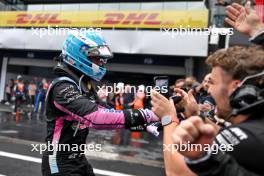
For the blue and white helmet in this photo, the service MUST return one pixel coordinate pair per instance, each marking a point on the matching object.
(80, 49)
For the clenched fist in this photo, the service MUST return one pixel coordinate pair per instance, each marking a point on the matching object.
(194, 132)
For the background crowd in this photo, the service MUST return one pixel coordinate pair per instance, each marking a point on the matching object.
(21, 92)
(31, 93)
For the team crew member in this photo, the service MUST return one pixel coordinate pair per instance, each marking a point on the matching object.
(236, 84)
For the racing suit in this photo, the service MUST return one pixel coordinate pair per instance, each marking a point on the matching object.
(71, 110)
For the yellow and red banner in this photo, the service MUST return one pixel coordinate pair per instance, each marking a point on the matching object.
(106, 19)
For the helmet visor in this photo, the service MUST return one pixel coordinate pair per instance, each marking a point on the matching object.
(100, 51)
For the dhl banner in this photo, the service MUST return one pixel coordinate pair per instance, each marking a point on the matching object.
(106, 19)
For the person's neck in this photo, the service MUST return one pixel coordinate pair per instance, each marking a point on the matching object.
(238, 119)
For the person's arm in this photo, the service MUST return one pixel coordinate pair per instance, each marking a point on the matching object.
(244, 19)
(173, 160)
(68, 99)
(203, 161)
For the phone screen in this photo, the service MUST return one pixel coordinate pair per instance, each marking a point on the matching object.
(162, 83)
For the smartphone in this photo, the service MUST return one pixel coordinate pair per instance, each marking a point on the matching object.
(162, 85)
(176, 99)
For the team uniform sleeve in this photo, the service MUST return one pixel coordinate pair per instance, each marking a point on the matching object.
(258, 38)
(228, 163)
(68, 99)
(219, 164)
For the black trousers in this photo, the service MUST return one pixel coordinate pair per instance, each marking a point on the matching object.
(77, 166)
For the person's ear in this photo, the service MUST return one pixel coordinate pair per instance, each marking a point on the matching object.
(234, 85)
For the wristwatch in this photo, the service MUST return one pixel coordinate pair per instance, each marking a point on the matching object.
(166, 120)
